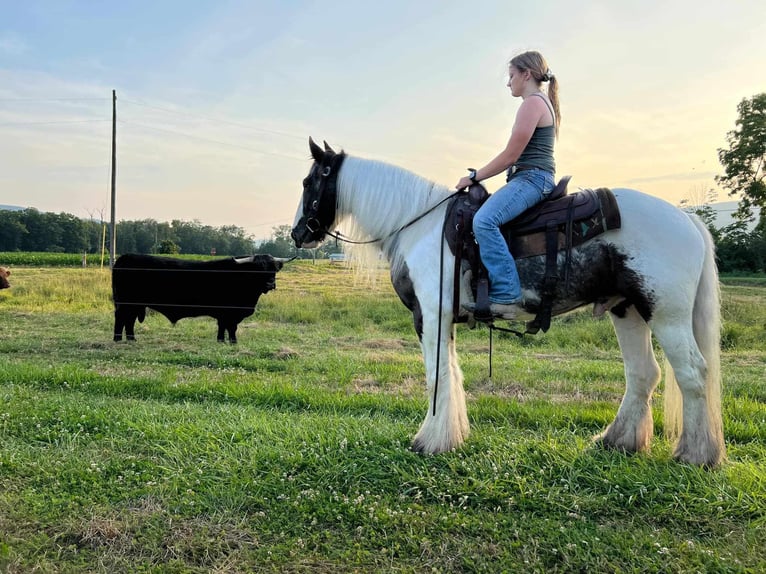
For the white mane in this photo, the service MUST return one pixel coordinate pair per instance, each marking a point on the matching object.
(375, 199)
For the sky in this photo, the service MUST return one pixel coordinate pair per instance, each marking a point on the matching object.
(216, 100)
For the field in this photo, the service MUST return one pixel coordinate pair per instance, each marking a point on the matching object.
(289, 451)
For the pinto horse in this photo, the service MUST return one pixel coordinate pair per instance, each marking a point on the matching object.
(656, 274)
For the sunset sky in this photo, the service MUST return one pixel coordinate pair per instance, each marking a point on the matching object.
(216, 100)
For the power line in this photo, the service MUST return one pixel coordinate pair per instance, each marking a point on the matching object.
(191, 136)
(279, 221)
(217, 120)
(50, 122)
(52, 99)
(165, 130)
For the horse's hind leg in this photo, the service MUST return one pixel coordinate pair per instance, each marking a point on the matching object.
(633, 427)
(700, 441)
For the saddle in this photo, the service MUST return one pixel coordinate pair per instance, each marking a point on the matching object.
(558, 223)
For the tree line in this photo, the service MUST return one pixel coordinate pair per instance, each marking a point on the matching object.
(30, 230)
(33, 230)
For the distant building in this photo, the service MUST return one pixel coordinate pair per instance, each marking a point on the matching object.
(337, 257)
(724, 214)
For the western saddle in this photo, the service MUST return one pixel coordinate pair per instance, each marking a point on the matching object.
(559, 223)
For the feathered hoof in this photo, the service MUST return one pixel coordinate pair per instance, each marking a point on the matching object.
(610, 441)
(419, 447)
(625, 436)
(423, 446)
(707, 454)
(601, 444)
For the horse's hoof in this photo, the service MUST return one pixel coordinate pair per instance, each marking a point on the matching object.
(418, 447)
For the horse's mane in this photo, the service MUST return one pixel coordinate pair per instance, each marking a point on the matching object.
(375, 199)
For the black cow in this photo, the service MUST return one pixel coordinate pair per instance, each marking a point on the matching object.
(225, 289)
(4, 274)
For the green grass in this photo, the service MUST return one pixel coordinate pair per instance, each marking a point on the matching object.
(289, 451)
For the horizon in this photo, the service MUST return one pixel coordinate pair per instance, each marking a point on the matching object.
(214, 109)
(724, 211)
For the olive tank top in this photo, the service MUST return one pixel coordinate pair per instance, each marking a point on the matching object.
(539, 150)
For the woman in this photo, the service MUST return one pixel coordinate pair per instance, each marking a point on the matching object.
(528, 160)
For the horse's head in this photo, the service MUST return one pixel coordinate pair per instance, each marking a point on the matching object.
(316, 211)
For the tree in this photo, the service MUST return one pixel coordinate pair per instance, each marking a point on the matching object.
(280, 244)
(743, 161)
(74, 236)
(699, 203)
(168, 247)
(42, 231)
(12, 230)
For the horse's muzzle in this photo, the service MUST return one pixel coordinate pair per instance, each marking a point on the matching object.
(301, 238)
(307, 233)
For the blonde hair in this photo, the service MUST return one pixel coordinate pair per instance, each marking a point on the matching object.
(538, 67)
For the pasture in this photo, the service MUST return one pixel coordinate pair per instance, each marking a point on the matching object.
(289, 451)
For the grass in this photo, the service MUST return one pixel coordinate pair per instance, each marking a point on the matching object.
(289, 451)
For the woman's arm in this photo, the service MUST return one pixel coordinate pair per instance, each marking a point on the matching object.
(524, 126)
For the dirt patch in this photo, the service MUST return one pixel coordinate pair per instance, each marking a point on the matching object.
(410, 387)
(386, 344)
(285, 353)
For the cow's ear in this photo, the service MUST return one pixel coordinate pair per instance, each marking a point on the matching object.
(327, 148)
(316, 151)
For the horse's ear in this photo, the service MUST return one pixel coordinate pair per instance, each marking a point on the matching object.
(327, 147)
(316, 151)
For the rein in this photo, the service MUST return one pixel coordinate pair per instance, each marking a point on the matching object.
(338, 236)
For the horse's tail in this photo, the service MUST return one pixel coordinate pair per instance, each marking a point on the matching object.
(706, 324)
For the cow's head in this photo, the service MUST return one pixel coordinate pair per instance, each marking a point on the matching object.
(4, 274)
(316, 211)
(265, 267)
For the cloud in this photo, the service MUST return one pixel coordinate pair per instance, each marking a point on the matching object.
(683, 176)
(12, 45)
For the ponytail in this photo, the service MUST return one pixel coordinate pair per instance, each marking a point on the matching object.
(553, 96)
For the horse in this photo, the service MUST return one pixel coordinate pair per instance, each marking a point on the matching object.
(656, 275)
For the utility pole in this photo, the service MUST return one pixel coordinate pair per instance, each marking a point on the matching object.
(113, 228)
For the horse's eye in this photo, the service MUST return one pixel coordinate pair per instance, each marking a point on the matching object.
(326, 171)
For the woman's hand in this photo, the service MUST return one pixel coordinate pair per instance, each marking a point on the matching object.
(463, 183)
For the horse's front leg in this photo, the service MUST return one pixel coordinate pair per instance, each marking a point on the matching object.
(446, 424)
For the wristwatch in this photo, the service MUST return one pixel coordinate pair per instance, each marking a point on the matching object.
(472, 174)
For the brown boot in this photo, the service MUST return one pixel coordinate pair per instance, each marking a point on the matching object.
(504, 311)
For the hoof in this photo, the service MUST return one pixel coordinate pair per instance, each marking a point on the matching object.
(418, 447)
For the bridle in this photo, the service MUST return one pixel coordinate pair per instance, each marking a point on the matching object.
(319, 213)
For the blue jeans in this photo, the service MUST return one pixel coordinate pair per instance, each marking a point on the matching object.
(525, 189)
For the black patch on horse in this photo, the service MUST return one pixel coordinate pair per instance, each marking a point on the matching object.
(406, 292)
(597, 272)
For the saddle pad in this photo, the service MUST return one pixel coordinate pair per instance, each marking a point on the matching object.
(592, 213)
